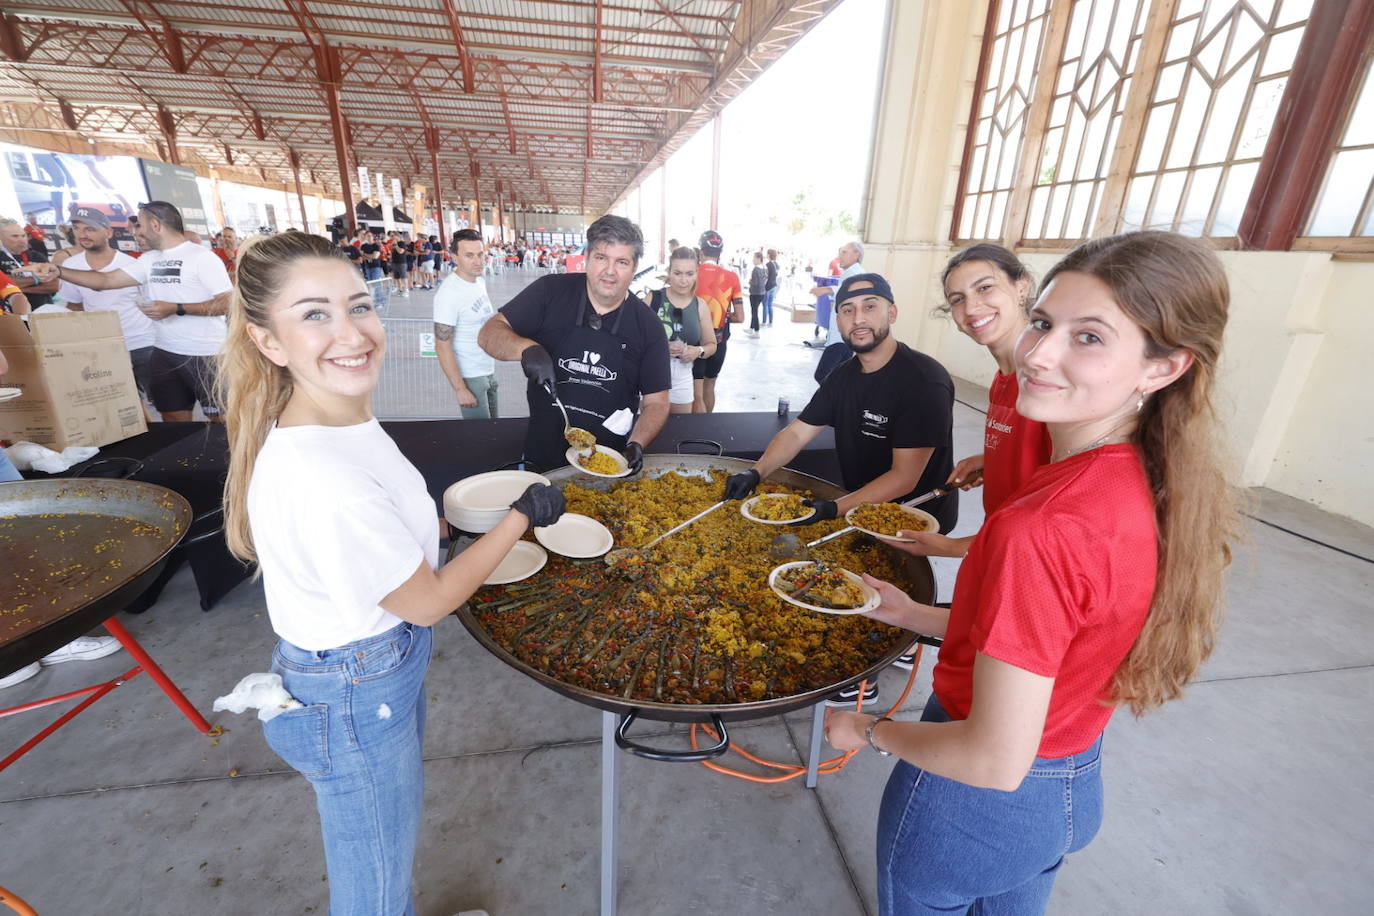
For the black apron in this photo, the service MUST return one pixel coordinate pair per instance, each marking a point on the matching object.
(589, 372)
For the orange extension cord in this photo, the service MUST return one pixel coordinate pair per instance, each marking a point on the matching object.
(792, 771)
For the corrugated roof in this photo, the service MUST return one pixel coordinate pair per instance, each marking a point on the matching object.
(514, 73)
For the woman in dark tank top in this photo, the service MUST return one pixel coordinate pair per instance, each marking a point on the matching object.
(687, 324)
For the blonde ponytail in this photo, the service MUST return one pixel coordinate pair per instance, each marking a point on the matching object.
(252, 389)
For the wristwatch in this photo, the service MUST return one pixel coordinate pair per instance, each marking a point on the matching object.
(868, 733)
(181, 309)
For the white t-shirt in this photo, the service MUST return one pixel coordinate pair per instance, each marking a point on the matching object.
(833, 332)
(466, 307)
(340, 519)
(139, 330)
(186, 273)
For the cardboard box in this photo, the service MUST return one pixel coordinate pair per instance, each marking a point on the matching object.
(77, 379)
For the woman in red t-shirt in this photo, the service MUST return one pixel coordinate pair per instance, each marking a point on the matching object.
(986, 290)
(1095, 585)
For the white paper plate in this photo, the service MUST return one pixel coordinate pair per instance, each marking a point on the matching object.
(619, 460)
(482, 499)
(746, 509)
(524, 560)
(932, 524)
(576, 536)
(9, 394)
(871, 598)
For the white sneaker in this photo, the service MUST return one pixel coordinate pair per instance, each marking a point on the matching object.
(23, 674)
(83, 649)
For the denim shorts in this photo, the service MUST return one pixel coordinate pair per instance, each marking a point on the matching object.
(357, 739)
(948, 847)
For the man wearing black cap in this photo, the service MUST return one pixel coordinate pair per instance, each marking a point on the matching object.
(719, 287)
(893, 413)
(588, 338)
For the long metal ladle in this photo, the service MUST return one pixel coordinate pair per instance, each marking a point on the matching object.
(627, 557)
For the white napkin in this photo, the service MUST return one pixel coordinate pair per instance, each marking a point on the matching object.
(621, 421)
(261, 691)
(32, 456)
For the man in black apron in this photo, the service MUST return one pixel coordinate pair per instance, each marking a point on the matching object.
(599, 347)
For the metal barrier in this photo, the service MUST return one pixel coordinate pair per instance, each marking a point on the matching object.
(412, 386)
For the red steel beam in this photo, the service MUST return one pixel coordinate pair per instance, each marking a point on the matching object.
(11, 42)
(295, 161)
(328, 76)
(715, 172)
(432, 143)
(464, 57)
(1325, 73)
(596, 58)
(168, 125)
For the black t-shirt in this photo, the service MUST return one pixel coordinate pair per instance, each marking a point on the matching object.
(908, 403)
(370, 248)
(352, 253)
(547, 309)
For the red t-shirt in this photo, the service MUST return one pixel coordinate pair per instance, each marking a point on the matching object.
(7, 288)
(35, 232)
(719, 286)
(1058, 583)
(1013, 447)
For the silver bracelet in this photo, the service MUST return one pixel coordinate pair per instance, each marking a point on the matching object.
(868, 733)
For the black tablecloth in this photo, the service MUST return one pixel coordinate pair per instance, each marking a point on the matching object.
(193, 459)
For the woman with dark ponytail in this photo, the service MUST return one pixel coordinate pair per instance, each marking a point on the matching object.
(1096, 585)
(347, 540)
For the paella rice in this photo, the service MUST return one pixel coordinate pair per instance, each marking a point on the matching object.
(822, 585)
(887, 518)
(599, 462)
(698, 623)
(784, 507)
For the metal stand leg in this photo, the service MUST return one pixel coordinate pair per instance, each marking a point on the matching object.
(610, 791)
(813, 758)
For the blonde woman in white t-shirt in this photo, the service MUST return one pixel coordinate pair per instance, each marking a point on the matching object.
(347, 538)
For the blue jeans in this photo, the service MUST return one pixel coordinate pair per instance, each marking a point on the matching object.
(8, 471)
(357, 740)
(947, 847)
(768, 296)
(372, 271)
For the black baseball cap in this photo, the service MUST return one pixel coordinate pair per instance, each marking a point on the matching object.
(711, 243)
(880, 288)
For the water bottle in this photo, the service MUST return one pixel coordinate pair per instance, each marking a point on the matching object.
(784, 407)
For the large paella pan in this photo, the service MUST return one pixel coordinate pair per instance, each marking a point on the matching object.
(698, 636)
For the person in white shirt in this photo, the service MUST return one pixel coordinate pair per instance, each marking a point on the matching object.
(461, 307)
(347, 540)
(91, 228)
(187, 293)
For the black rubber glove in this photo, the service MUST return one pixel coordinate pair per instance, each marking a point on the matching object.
(538, 367)
(739, 486)
(634, 457)
(825, 509)
(541, 504)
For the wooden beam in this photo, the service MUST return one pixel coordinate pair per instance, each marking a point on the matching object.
(980, 84)
(1152, 46)
(1326, 73)
(1032, 139)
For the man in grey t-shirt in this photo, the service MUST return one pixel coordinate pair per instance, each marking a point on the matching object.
(461, 307)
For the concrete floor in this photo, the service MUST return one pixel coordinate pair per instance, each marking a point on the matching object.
(1252, 795)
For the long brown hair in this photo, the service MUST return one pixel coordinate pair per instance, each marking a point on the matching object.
(253, 389)
(1176, 291)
